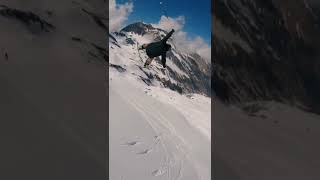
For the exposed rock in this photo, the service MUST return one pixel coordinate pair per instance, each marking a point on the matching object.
(32, 21)
(262, 53)
(97, 19)
(117, 67)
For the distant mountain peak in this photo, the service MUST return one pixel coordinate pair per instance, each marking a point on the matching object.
(141, 28)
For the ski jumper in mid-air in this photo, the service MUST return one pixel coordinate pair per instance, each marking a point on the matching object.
(158, 48)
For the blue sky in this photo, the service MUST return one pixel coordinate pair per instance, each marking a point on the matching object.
(196, 12)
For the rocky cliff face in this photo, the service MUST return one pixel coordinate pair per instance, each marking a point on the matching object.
(266, 50)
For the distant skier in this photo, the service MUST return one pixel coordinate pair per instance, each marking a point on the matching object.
(158, 48)
(6, 56)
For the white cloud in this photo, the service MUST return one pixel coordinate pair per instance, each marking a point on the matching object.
(168, 23)
(182, 41)
(118, 14)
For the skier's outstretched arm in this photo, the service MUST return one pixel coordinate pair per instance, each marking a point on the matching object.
(168, 35)
(163, 60)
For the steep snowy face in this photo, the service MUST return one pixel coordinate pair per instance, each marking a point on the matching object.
(265, 50)
(142, 29)
(185, 73)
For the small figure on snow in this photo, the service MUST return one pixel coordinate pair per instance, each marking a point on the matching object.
(158, 48)
(6, 56)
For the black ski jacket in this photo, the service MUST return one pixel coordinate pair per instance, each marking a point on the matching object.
(159, 48)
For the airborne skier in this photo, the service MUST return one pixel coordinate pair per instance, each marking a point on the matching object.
(158, 48)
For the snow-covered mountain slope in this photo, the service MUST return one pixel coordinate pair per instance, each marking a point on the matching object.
(272, 141)
(53, 93)
(266, 74)
(267, 50)
(159, 128)
(186, 73)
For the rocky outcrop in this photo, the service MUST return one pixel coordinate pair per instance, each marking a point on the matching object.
(265, 50)
(31, 20)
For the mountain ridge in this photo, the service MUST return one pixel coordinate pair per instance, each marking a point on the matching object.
(186, 73)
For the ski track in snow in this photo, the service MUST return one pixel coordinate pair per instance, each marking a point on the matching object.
(172, 143)
(170, 156)
(165, 167)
